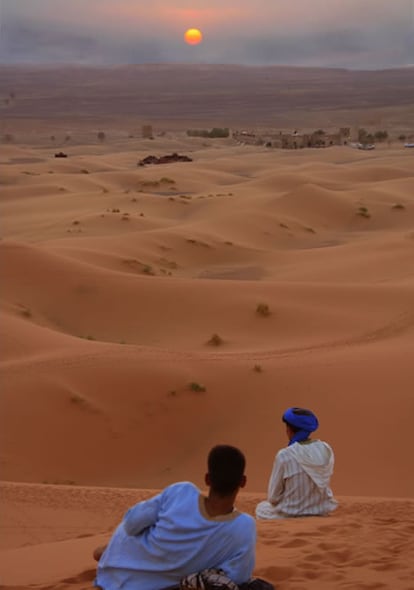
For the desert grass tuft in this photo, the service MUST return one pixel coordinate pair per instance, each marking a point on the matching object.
(215, 340)
(263, 310)
(363, 212)
(196, 387)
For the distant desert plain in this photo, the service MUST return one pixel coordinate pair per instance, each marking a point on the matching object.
(150, 312)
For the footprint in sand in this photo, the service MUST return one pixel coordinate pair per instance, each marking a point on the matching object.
(295, 543)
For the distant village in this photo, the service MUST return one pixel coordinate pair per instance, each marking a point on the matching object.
(354, 137)
(295, 140)
(316, 139)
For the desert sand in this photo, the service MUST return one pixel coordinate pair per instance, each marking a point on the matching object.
(114, 281)
(52, 531)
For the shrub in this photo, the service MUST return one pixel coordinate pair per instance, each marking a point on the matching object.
(148, 270)
(216, 132)
(398, 206)
(215, 340)
(197, 132)
(263, 310)
(363, 212)
(196, 387)
(219, 132)
(101, 136)
(258, 369)
(364, 137)
(362, 133)
(381, 135)
(75, 398)
(150, 184)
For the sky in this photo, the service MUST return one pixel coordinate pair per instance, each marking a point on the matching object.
(356, 34)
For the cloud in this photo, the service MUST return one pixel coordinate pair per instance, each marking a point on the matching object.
(257, 15)
(23, 44)
(351, 33)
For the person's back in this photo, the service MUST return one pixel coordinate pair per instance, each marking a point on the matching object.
(180, 532)
(300, 481)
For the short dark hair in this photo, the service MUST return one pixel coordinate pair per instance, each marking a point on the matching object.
(298, 412)
(226, 466)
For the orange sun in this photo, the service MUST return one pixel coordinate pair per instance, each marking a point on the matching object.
(193, 36)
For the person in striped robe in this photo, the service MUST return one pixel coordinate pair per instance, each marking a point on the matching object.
(299, 484)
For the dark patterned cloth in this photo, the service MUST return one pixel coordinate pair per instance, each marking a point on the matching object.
(214, 579)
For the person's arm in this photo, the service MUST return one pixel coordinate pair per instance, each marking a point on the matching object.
(142, 515)
(276, 482)
(240, 566)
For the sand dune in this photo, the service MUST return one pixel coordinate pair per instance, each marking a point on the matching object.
(366, 544)
(116, 277)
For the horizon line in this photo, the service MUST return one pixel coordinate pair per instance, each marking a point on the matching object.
(49, 64)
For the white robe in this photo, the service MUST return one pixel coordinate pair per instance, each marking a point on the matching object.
(299, 483)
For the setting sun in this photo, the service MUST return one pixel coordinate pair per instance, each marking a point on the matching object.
(193, 36)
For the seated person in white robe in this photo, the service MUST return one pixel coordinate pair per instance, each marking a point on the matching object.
(182, 531)
(300, 481)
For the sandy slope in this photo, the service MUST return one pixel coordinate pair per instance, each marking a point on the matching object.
(52, 530)
(114, 280)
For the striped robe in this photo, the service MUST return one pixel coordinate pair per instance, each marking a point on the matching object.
(299, 483)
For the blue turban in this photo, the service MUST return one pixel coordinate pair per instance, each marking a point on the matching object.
(306, 423)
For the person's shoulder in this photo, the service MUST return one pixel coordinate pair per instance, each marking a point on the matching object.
(323, 443)
(182, 488)
(246, 521)
(244, 529)
(283, 454)
(327, 448)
